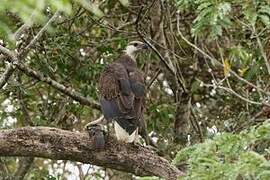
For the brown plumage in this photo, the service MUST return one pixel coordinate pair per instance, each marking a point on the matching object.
(121, 87)
(122, 90)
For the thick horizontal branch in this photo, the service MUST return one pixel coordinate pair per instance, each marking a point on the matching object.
(60, 144)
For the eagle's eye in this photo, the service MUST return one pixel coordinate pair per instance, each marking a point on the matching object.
(135, 44)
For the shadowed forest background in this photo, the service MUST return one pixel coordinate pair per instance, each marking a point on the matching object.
(207, 77)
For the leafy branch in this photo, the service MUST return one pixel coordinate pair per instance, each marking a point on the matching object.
(37, 75)
(228, 156)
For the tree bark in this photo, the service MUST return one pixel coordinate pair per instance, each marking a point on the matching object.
(60, 144)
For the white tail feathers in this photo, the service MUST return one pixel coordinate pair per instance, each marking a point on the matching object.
(123, 136)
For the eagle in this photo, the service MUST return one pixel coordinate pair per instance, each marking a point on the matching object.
(122, 95)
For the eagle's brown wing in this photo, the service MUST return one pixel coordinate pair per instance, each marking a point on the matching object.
(136, 79)
(138, 88)
(117, 97)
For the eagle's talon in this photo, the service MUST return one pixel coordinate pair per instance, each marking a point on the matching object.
(92, 128)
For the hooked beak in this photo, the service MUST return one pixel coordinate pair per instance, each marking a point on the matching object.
(145, 46)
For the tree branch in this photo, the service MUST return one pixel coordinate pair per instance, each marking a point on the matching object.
(9, 69)
(37, 75)
(162, 59)
(42, 30)
(234, 93)
(217, 62)
(60, 144)
(6, 74)
(66, 90)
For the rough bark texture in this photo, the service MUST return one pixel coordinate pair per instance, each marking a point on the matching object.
(55, 143)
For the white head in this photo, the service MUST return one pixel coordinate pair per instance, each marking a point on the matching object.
(134, 47)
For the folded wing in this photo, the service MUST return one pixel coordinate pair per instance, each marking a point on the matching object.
(117, 97)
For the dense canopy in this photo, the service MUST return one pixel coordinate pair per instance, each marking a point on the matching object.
(207, 86)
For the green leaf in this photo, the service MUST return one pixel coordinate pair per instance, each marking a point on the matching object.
(62, 5)
(251, 16)
(92, 7)
(264, 10)
(204, 6)
(227, 156)
(265, 19)
(124, 2)
(224, 9)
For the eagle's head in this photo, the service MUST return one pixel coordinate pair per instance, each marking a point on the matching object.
(134, 47)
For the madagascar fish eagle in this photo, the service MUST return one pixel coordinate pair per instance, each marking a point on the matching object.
(122, 95)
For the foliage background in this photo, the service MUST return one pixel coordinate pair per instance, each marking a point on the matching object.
(198, 90)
